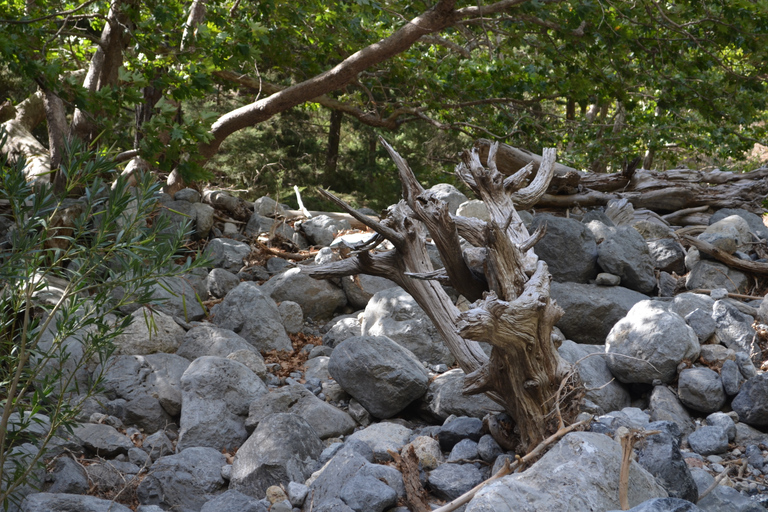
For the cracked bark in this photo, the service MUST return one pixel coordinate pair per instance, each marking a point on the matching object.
(512, 310)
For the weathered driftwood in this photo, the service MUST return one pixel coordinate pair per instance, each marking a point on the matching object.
(512, 310)
(662, 192)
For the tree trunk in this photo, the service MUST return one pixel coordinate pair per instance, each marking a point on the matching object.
(334, 138)
(512, 310)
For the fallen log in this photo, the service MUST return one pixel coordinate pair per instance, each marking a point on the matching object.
(662, 192)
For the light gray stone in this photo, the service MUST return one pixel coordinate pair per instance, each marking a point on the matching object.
(361, 288)
(149, 332)
(685, 303)
(341, 328)
(233, 501)
(258, 224)
(325, 419)
(449, 481)
(216, 394)
(444, 398)
(382, 437)
(701, 389)
(754, 221)
(185, 481)
(590, 310)
(427, 450)
(268, 207)
(463, 451)
(728, 234)
(176, 297)
(702, 324)
(649, 343)
(282, 449)
(734, 329)
(318, 298)
(155, 376)
(568, 247)
(292, 316)
(227, 253)
(450, 194)
(602, 389)
(59, 502)
(668, 255)
(751, 403)
(665, 406)
(711, 274)
(578, 473)
(320, 230)
(720, 419)
(103, 440)
(210, 340)
(395, 314)
(709, 440)
(623, 252)
(474, 208)
(383, 376)
(220, 282)
(252, 314)
(665, 505)
(366, 493)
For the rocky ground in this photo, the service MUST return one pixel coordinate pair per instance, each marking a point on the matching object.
(288, 394)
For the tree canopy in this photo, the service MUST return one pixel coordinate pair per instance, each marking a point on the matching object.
(603, 81)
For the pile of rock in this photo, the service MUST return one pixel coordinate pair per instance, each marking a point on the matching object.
(192, 418)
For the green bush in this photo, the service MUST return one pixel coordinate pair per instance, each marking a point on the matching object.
(60, 266)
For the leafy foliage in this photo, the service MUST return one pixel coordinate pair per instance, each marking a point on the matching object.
(61, 267)
(603, 81)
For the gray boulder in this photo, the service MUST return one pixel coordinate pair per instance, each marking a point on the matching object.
(578, 473)
(660, 455)
(665, 406)
(450, 194)
(755, 222)
(341, 328)
(209, 340)
(103, 440)
(383, 376)
(444, 398)
(292, 316)
(216, 394)
(685, 303)
(474, 208)
(568, 247)
(252, 314)
(449, 481)
(219, 282)
(457, 429)
(68, 477)
(731, 377)
(177, 298)
(383, 437)
(649, 343)
(363, 493)
(734, 329)
(325, 419)
(321, 229)
(729, 234)
(602, 390)
(258, 224)
(722, 420)
(59, 502)
(361, 288)
(591, 310)
(711, 274)
(623, 252)
(234, 501)
(185, 481)
(149, 332)
(395, 314)
(751, 404)
(282, 449)
(701, 389)
(665, 505)
(318, 298)
(668, 255)
(709, 440)
(702, 324)
(227, 253)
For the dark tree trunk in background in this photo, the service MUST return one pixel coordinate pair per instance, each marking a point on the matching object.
(334, 138)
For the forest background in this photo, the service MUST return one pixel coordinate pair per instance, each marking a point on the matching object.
(260, 96)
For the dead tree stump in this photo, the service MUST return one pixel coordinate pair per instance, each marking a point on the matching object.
(511, 309)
